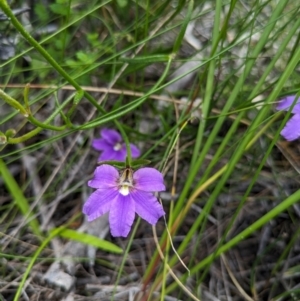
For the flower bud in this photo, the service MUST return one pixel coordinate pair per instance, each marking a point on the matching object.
(10, 133)
(3, 138)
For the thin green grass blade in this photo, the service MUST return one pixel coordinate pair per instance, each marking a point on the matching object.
(19, 198)
(291, 200)
(242, 148)
(33, 260)
(209, 85)
(249, 64)
(185, 23)
(88, 239)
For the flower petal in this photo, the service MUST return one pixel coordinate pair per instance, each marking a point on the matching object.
(148, 179)
(109, 155)
(111, 136)
(147, 206)
(135, 152)
(101, 145)
(99, 203)
(287, 102)
(105, 176)
(121, 215)
(120, 155)
(291, 131)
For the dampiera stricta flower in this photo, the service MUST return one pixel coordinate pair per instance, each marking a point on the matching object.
(124, 194)
(112, 146)
(291, 131)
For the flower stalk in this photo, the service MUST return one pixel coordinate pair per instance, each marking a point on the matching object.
(27, 112)
(13, 103)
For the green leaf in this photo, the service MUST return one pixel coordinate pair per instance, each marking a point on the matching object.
(59, 9)
(41, 11)
(83, 57)
(86, 58)
(122, 3)
(89, 240)
(118, 164)
(72, 63)
(185, 23)
(18, 197)
(139, 162)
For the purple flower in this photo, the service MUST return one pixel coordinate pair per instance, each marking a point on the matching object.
(291, 131)
(112, 146)
(124, 194)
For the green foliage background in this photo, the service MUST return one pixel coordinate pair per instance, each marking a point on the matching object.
(194, 84)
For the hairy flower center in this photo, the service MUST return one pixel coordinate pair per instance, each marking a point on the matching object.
(117, 146)
(126, 181)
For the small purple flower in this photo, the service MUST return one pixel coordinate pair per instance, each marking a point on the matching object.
(124, 194)
(291, 131)
(112, 146)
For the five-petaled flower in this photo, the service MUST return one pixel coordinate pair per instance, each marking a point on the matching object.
(291, 131)
(112, 146)
(124, 194)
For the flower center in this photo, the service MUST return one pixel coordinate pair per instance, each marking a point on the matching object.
(126, 181)
(117, 146)
(124, 190)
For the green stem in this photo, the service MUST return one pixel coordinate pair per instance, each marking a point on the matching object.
(46, 126)
(12, 102)
(26, 98)
(131, 106)
(6, 9)
(126, 140)
(39, 129)
(125, 255)
(25, 137)
(33, 120)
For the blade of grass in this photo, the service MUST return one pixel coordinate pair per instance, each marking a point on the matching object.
(243, 146)
(88, 240)
(209, 84)
(291, 200)
(19, 198)
(249, 64)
